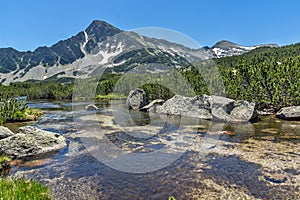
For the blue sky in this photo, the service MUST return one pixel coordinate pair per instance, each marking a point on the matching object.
(25, 25)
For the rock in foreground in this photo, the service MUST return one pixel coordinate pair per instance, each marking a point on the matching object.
(289, 113)
(209, 107)
(31, 141)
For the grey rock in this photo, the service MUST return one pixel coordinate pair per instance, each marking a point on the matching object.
(287, 113)
(5, 132)
(221, 108)
(243, 111)
(136, 99)
(198, 106)
(31, 141)
(209, 107)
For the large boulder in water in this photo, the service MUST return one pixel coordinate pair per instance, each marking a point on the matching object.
(136, 99)
(289, 113)
(198, 106)
(31, 141)
(243, 111)
(209, 107)
(5, 132)
(221, 108)
(229, 110)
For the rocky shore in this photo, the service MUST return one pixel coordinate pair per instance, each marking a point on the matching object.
(216, 108)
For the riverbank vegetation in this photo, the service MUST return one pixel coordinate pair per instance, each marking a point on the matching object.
(12, 110)
(110, 96)
(264, 75)
(38, 90)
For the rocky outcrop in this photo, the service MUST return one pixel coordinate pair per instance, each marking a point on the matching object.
(209, 107)
(5, 132)
(31, 141)
(289, 113)
(136, 99)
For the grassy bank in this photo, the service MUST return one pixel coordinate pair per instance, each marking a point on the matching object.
(110, 96)
(16, 189)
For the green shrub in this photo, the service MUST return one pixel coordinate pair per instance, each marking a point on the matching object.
(12, 110)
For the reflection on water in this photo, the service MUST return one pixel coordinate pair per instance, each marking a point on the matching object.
(214, 164)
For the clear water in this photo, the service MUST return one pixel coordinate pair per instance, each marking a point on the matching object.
(232, 167)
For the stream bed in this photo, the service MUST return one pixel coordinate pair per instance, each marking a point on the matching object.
(112, 156)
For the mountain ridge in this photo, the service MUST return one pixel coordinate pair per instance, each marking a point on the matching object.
(225, 48)
(99, 44)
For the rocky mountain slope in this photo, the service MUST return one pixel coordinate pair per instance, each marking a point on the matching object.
(225, 48)
(103, 45)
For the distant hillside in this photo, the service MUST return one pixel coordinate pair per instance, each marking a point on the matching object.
(225, 48)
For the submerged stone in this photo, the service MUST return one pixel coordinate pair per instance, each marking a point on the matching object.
(276, 178)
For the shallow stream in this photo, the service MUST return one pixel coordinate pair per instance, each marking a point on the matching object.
(196, 159)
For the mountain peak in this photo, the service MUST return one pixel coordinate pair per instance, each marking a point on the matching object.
(99, 23)
(100, 26)
(224, 44)
(98, 31)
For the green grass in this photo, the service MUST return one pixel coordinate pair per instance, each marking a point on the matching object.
(19, 189)
(111, 96)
